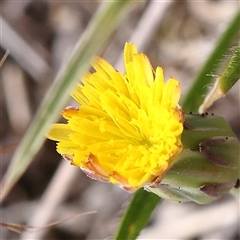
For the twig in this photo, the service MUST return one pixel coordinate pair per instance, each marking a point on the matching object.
(53, 196)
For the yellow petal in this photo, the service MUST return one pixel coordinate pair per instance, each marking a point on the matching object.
(142, 69)
(103, 68)
(60, 132)
(66, 148)
(129, 51)
(171, 93)
(157, 87)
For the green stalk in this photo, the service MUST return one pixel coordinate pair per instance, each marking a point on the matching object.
(195, 95)
(101, 26)
(137, 214)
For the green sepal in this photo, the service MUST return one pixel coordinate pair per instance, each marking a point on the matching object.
(216, 190)
(198, 128)
(194, 178)
(222, 151)
(180, 194)
(192, 169)
(208, 165)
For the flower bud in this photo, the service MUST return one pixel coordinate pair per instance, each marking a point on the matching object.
(208, 165)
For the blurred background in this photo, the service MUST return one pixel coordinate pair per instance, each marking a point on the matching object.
(40, 35)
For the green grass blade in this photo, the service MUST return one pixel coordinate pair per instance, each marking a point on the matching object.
(231, 72)
(195, 96)
(224, 81)
(103, 23)
(137, 214)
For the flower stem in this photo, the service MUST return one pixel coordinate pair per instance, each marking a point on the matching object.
(137, 214)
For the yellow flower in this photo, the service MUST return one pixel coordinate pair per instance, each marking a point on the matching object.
(128, 128)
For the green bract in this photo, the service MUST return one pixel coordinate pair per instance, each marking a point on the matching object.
(207, 167)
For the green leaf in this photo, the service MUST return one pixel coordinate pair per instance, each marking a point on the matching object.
(225, 81)
(195, 95)
(231, 72)
(137, 215)
(103, 23)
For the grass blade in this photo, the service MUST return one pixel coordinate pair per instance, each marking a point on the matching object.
(231, 73)
(103, 23)
(225, 81)
(195, 95)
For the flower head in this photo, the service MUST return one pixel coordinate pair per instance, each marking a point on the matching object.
(127, 129)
